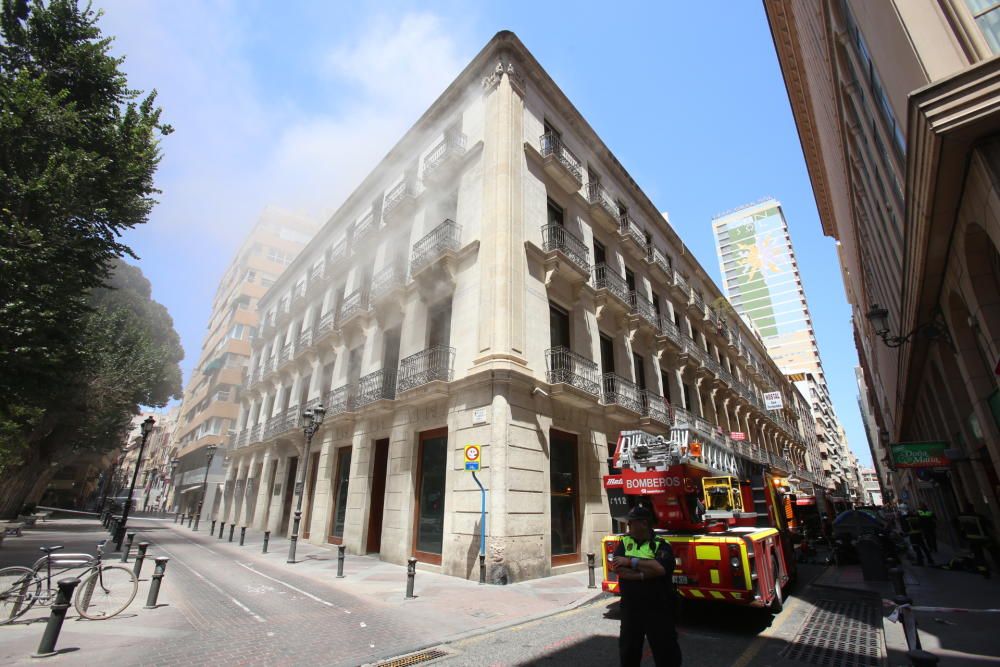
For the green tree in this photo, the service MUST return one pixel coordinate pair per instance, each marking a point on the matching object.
(78, 151)
(128, 357)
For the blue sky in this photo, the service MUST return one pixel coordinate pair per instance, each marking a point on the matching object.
(291, 104)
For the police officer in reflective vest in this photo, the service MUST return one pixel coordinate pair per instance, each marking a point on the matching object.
(645, 564)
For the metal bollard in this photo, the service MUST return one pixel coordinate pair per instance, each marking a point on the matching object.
(128, 547)
(921, 658)
(222, 528)
(591, 583)
(113, 526)
(47, 646)
(139, 557)
(190, 520)
(212, 532)
(154, 586)
(232, 529)
(896, 577)
(482, 569)
(267, 538)
(411, 573)
(243, 534)
(341, 548)
(183, 518)
(177, 517)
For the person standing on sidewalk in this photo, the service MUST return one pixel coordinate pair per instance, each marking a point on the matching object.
(644, 564)
(912, 528)
(928, 526)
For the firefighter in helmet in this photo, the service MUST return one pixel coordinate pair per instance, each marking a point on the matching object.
(645, 564)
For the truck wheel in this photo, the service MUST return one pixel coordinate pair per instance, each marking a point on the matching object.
(776, 602)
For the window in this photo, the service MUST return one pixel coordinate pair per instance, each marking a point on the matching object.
(600, 255)
(555, 213)
(665, 379)
(639, 367)
(439, 327)
(340, 483)
(607, 355)
(988, 19)
(275, 255)
(563, 493)
(630, 279)
(432, 458)
(558, 327)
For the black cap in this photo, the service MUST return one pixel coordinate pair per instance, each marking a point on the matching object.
(640, 513)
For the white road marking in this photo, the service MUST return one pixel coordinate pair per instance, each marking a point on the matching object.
(289, 586)
(213, 585)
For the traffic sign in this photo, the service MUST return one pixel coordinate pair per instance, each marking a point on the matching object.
(472, 457)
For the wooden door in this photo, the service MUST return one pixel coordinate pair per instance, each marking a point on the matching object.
(338, 487)
(374, 544)
(311, 486)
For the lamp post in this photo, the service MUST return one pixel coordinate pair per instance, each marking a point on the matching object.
(933, 329)
(147, 428)
(210, 452)
(311, 420)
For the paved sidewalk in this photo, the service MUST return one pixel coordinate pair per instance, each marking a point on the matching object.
(951, 609)
(445, 608)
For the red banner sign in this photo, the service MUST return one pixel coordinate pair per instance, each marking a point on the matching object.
(643, 483)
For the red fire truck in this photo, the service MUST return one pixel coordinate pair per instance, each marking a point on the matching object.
(730, 536)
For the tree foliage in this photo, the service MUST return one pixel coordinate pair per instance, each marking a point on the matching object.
(78, 152)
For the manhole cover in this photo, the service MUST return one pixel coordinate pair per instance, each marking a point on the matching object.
(839, 634)
(414, 658)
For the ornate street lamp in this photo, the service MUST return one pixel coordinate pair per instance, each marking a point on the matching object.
(311, 421)
(934, 329)
(209, 453)
(147, 428)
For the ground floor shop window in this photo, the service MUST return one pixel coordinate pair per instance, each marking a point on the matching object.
(432, 458)
(564, 495)
(341, 475)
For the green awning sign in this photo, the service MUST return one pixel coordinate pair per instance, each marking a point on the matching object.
(919, 454)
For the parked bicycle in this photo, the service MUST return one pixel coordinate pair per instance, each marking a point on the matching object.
(104, 591)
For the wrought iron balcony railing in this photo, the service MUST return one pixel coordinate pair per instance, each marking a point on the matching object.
(598, 196)
(386, 280)
(451, 147)
(669, 329)
(434, 363)
(605, 278)
(658, 258)
(256, 433)
(364, 228)
(377, 386)
(644, 308)
(443, 238)
(680, 282)
(405, 191)
(340, 400)
(243, 439)
(316, 274)
(305, 340)
(616, 390)
(337, 254)
(555, 237)
(327, 323)
(553, 145)
(567, 367)
(354, 304)
(274, 425)
(627, 227)
(656, 407)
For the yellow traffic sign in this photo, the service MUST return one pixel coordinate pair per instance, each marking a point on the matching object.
(472, 454)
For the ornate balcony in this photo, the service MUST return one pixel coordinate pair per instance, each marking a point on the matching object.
(298, 295)
(256, 434)
(242, 440)
(340, 401)
(375, 387)
(304, 342)
(656, 410)
(327, 326)
(679, 287)
(668, 334)
(603, 208)
(442, 163)
(441, 243)
(316, 282)
(622, 397)
(400, 202)
(284, 356)
(433, 365)
(355, 305)
(633, 239)
(282, 312)
(364, 231)
(659, 264)
(644, 313)
(612, 292)
(565, 255)
(560, 164)
(572, 376)
(335, 257)
(268, 324)
(387, 282)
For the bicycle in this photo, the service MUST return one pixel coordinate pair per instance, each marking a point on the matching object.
(104, 590)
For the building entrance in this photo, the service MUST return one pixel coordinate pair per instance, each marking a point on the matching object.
(374, 544)
(286, 502)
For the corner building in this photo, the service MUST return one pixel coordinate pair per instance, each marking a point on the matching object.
(498, 280)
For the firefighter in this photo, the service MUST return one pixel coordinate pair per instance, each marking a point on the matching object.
(928, 526)
(912, 528)
(644, 564)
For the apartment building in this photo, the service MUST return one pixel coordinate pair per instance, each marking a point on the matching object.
(898, 115)
(762, 282)
(212, 395)
(500, 280)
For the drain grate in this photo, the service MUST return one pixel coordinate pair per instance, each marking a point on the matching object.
(414, 658)
(839, 634)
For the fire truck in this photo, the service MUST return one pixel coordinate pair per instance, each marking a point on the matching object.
(730, 536)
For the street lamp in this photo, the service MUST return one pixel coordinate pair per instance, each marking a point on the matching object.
(147, 428)
(311, 420)
(210, 452)
(934, 329)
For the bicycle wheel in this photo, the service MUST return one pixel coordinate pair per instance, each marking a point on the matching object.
(105, 592)
(19, 590)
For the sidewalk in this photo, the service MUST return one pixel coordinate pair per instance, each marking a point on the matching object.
(950, 609)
